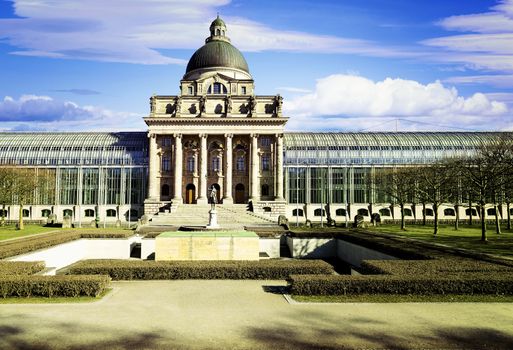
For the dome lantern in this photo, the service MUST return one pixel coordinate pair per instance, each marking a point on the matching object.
(217, 30)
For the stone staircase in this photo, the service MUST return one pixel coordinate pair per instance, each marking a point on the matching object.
(228, 216)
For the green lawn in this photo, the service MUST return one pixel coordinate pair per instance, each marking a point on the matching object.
(10, 231)
(467, 237)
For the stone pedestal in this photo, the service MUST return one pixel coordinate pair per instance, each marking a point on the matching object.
(207, 245)
(212, 219)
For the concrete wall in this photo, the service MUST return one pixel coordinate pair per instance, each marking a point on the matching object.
(68, 253)
(271, 246)
(355, 254)
(312, 248)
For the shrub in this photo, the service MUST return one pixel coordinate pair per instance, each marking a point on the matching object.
(155, 270)
(470, 283)
(21, 267)
(430, 267)
(52, 286)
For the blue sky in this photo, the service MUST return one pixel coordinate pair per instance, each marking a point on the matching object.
(350, 65)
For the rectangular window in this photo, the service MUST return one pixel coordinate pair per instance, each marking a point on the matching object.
(297, 185)
(166, 164)
(190, 90)
(190, 164)
(166, 142)
(266, 162)
(265, 141)
(90, 186)
(243, 90)
(216, 166)
(240, 163)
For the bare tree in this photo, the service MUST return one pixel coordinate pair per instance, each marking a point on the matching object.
(433, 181)
(396, 183)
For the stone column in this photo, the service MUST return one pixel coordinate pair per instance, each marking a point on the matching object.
(202, 197)
(153, 187)
(228, 199)
(278, 173)
(255, 164)
(178, 168)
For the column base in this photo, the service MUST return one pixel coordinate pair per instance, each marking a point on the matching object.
(202, 201)
(228, 200)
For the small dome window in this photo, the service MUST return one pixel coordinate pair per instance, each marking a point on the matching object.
(217, 89)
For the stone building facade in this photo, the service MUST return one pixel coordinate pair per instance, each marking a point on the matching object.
(215, 134)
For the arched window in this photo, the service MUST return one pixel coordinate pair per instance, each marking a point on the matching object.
(241, 164)
(216, 89)
(340, 212)
(3, 213)
(67, 213)
(297, 212)
(384, 212)
(449, 212)
(428, 212)
(26, 213)
(319, 212)
(473, 211)
(363, 212)
(111, 213)
(165, 190)
(89, 213)
(265, 190)
(490, 211)
(133, 214)
(267, 209)
(45, 213)
(407, 212)
(191, 164)
(218, 31)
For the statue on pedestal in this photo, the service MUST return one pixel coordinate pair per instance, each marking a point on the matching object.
(213, 198)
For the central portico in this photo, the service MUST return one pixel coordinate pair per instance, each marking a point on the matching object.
(215, 133)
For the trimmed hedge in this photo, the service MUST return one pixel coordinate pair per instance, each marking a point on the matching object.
(17, 268)
(35, 242)
(172, 270)
(430, 267)
(52, 286)
(471, 283)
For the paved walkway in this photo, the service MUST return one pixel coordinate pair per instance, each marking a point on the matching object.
(241, 315)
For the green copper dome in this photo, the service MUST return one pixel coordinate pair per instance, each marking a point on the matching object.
(217, 53)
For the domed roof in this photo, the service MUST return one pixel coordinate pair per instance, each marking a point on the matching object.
(217, 53)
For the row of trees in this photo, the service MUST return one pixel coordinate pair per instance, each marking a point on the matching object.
(21, 186)
(485, 177)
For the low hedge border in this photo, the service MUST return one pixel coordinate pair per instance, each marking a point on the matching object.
(470, 283)
(173, 270)
(35, 242)
(430, 267)
(52, 286)
(18, 268)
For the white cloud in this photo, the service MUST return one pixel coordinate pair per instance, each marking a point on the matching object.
(135, 31)
(31, 112)
(504, 81)
(486, 42)
(342, 100)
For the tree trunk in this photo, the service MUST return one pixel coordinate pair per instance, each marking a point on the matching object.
(497, 220)
(435, 213)
(403, 223)
(470, 211)
(2, 223)
(508, 215)
(457, 221)
(20, 219)
(483, 223)
(423, 214)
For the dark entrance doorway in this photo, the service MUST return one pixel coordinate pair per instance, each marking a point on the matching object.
(190, 194)
(239, 194)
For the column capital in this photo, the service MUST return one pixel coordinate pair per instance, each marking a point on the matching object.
(203, 136)
(177, 136)
(279, 136)
(228, 136)
(152, 135)
(253, 135)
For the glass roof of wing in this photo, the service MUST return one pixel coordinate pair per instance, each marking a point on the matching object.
(121, 148)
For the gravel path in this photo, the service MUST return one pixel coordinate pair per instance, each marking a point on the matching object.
(241, 315)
